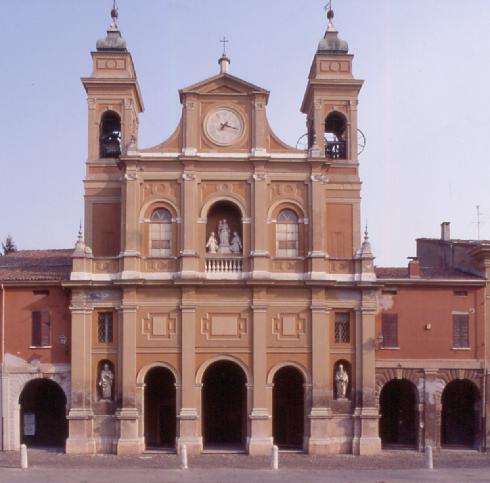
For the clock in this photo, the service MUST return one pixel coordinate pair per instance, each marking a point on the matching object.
(224, 126)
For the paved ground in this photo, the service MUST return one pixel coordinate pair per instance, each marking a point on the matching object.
(388, 467)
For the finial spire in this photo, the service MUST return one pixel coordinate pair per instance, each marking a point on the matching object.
(366, 234)
(330, 16)
(114, 16)
(224, 61)
(80, 234)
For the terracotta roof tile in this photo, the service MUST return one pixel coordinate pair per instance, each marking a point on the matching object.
(36, 265)
(426, 273)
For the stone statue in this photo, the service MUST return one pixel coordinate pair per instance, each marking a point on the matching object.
(105, 382)
(341, 382)
(236, 244)
(224, 237)
(212, 244)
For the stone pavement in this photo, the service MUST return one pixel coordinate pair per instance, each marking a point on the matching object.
(388, 467)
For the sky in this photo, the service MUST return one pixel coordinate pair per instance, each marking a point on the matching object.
(424, 107)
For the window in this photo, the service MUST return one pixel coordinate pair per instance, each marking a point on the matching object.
(389, 330)
(287, 234)
(105, 328)
(161, 233)
(460, 331)
(460, 293)
(342, 328)
(41, 326)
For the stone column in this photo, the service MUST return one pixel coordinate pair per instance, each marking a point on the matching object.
(260, 437)
(366, 437)
(189, 255)
(188, 416)
(80, 417)
(260, 253)
(321, 412)
(129, 441)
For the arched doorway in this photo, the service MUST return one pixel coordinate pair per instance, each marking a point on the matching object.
(399, 414)
(43, 414)
(224, 405)
(459, 424)
(160, 409)
(288, 408)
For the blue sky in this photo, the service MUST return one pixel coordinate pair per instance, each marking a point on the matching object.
(425, 105)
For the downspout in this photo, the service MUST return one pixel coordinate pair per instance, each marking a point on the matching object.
(484, 381)
(2, 374)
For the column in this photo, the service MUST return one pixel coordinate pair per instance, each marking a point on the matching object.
(129, 442)
(260, 253)
(317, 216)
(321, 412)
(366, 437)
(432, 408)
(188, 416)
(260, 437)
(189, 255)
(80, 417)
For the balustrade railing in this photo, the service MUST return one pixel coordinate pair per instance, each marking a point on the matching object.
(336, 149)
(224, 264)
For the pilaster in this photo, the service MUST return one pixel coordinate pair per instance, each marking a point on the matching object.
(317, 217)
(260, 255)
(189, 256)
(260, 439)
(80, 417)
(188, 416)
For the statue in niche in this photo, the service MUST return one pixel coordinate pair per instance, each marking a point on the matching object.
(341, 382)
(224, 237)
(212, 244)
(106, 378)
(236, 244)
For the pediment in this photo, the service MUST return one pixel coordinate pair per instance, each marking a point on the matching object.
(223, 84)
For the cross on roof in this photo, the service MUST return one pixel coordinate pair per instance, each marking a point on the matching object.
(224, 41)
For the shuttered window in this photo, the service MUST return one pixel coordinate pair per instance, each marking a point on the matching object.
(41, 328)
(161, 233)
(390, 330)
(460, 331)
(287, 234)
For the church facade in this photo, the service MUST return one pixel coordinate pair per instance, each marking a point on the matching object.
(222, 295)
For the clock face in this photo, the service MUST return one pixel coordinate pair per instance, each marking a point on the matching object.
(224, 126)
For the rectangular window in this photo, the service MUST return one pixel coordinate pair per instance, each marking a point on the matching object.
(287, 239)
(342, 328)
(461, 293)
(105, 328)
(461, 331)
(160, 239)
(389, 330)
(41, 328)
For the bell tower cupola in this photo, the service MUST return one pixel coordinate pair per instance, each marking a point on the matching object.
(113, 95)
(330, 101)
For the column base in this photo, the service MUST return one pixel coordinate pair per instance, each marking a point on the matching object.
(81, 430)
(188, 431)
(128, 443)
(319, 441)
(260, 441)
(366, 440)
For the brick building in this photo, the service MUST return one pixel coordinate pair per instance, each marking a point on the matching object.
(221, 295)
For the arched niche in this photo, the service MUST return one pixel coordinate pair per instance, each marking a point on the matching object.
(224, 220)
(110, 135)
(339, 379)
(106, 382)
(336, 136)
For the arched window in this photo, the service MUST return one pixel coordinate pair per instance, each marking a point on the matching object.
(287, 234)
(335, 136)
(161, 233)
(110, 135)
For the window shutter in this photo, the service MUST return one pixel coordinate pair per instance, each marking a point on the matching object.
(45, 329)
(390, 330)
(460, 330)
(36, 328)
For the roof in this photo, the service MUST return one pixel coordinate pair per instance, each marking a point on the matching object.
(434, 273)
(36, 265)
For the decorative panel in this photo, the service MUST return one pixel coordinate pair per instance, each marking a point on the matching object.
(159, 326)
(223, 326)
(288, 326)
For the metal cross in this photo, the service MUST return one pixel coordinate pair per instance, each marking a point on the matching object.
(224, 42)
(328, 6)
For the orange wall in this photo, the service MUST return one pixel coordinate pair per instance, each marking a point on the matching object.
(418, 306)
(20, 302)
(106, 229)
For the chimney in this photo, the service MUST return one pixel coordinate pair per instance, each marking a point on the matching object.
(414, 267)
(445, 231)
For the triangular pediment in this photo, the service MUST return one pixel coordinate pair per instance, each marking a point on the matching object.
(223, 84)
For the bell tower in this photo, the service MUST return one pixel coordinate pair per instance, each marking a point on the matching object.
(330, 101)
(114, 104)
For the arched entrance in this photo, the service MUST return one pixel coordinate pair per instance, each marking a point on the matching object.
(224, 405)
(459, 424)
(288, 408)
(43, 414)
(399, 414)
(160, 409)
